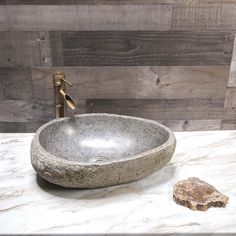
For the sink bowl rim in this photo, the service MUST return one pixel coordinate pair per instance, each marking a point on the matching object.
(35, 141)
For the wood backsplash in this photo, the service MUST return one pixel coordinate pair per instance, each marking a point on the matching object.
(164, 60)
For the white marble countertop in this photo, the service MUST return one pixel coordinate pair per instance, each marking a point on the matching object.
(29, 205)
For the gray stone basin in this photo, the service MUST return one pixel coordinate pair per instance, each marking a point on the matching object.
(97, 150)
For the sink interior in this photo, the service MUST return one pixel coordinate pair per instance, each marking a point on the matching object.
(101, 138)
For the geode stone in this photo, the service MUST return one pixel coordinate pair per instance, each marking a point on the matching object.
(198, 195)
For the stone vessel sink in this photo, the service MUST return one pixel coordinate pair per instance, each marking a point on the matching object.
(96, 150)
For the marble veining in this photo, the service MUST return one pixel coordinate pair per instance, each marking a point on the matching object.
(28, 204)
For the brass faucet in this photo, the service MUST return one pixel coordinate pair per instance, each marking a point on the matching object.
(61, 98)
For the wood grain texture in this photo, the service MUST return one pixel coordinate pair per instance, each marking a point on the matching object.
(143, 82)
(228, 16)
(200, 15)
(56, 48)
(182, 49)
(16, 83)
(25, 111)
(135, 48)
(175, 125)
(197, 15)
(25, 49)
(85, 17)
(232, 72)
(20, 127)
(114, 48)
(45, 48)
(89, 2)
(157, 109)
(45, 2)
(19, 49)
(229, 118)
(204, 15)
(192, 125)
(31, 110)
(228, 124)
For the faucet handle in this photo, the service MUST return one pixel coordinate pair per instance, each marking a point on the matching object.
(67, 82)
(58, 77)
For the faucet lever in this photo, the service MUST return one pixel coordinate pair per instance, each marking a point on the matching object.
(58, 77)
(67, 82)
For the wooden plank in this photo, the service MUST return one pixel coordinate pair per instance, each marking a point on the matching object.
(157, 109)
(142, 2)
(31, 110)
(197, 15)
(16, 83)
(228, 16)
(85, 17)
(175, 125)
(187, 14)
(228, 124)
(25, 49)
(135, 48)
(104, 2)
(56, 48)
(25, 111)
(229, 117)
(45, 48)
(143, 82)
(192, 125)
(16, 122)
(85, 2)
(204, 15)
(20, 127)
(45, 2)
(230, 97)
(19, 49)
(232, 73)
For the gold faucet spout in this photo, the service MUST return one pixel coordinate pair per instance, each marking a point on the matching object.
(68, 99)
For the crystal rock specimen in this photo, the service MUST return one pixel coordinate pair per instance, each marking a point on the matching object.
(198, 195)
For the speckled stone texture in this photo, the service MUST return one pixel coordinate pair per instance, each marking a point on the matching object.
(97, 150)
(198, 195)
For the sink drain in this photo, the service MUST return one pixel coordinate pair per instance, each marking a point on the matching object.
(99, 159)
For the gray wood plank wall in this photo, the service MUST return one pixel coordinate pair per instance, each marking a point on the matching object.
(160, 59)
(135, 48)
